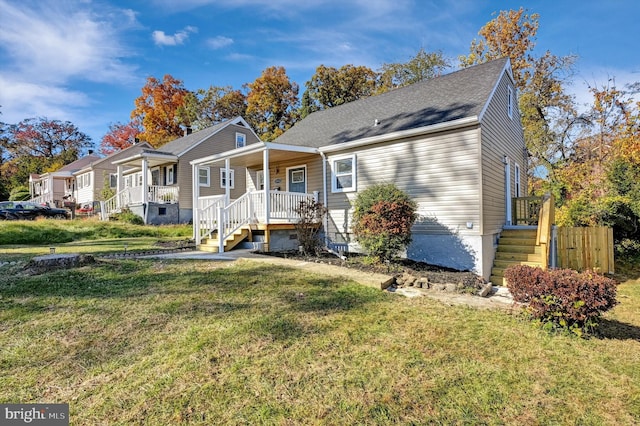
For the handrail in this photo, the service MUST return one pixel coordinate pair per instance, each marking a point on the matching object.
(208, 216)
(545, 226)
(525, 210)
(163, 194)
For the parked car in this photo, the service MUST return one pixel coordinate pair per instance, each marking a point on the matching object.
(21, 210)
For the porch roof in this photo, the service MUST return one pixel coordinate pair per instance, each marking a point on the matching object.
(252, 155)
(153, 157)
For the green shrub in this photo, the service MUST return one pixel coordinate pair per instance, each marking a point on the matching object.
(562, 298)
(382, 220)
(19, 193)
(127, 216)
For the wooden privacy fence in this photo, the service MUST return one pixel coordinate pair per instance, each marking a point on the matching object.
(585, 248)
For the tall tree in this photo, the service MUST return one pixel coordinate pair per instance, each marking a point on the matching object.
(422, 66)
(119, 137)
(510, 34)
(204, 108)
(157, 109)
(38, 145)
(330, 87)
(272, 103)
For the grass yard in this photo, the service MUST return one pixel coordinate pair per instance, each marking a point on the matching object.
(191, 342)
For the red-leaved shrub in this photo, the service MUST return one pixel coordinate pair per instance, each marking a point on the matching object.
(562, 298)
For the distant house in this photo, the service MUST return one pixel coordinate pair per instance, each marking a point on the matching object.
(157, 184)
(55, 188)
(454, 143)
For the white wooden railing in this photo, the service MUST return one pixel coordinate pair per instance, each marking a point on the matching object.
(134, 195)
(215, 216)
(42, 199)
(163, 194)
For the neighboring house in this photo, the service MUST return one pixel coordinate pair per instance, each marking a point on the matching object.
(54, 188)
(157, 184)
(89, 182)
(454, 143)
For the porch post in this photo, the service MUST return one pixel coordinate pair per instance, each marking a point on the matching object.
(119, 179)
(195, 194)
(145, 180)
(267, 185)
(227, 181)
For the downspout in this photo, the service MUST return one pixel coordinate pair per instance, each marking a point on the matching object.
(325, 223)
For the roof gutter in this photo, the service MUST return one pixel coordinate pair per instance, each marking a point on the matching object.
(253, 149)
(434, 128)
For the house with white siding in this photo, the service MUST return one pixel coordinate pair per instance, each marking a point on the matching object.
(454, 143)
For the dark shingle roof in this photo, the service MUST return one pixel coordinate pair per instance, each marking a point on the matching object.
(79, 164)
(452, 96)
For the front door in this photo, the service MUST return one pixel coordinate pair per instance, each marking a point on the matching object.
(297, 179)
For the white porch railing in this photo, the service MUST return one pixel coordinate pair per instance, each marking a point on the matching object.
(42, 199)
(163, 194)
(134, 195)
(214, 216)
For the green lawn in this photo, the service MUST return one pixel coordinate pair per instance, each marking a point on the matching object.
(190, 342)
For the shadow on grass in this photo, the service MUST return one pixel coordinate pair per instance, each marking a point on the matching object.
(612, 329)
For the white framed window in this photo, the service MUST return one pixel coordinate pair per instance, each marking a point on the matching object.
(113, 180)
(343, 174)
(138, 179)
(241, 140)
(516, 172)
(84, 180)
(510, 102)
(128, 181)
(169, 173)
(204, 176)
(223, 178)
(260, 179)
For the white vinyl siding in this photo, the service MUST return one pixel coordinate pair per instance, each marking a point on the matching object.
(501, 137)
(439, 172)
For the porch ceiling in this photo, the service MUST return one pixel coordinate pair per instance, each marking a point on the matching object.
(252, 156)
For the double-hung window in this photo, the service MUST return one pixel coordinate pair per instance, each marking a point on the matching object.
(170, 174)
(343, 174)
(510, 103)
(204, 176)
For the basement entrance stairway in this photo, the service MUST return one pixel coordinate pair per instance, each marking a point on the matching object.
(212, 244)
(517, 246)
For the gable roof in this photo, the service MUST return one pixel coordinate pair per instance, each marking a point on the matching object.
(130, 150)
(79, 164)
(181, 145)
(460, 94)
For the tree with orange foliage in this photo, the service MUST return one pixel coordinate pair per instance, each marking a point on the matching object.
(119, 137)
(272, 103)
(512, 34)
(157, 110)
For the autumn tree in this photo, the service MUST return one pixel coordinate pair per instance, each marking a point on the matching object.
(510, 34)
(272, 103)
(38, 145)
(157, 110)
(119, 137)
(330, 87)
(422, 66)
(204, 108)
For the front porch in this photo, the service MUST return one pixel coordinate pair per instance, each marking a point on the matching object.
(138, 196)
(220, 226)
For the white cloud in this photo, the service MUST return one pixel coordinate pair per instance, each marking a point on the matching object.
(53, 42)
(162, 39)
(219, 42)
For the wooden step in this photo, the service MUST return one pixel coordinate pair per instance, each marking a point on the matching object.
(518, 256)
(498, 280)
(519, 233)
(212, 245)
(503, 241)
(519, 249)
(504, 264)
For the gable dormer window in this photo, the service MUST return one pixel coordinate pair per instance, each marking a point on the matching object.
(510, 103)
(241, 140)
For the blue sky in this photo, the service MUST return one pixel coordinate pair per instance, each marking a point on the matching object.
(86, 60)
